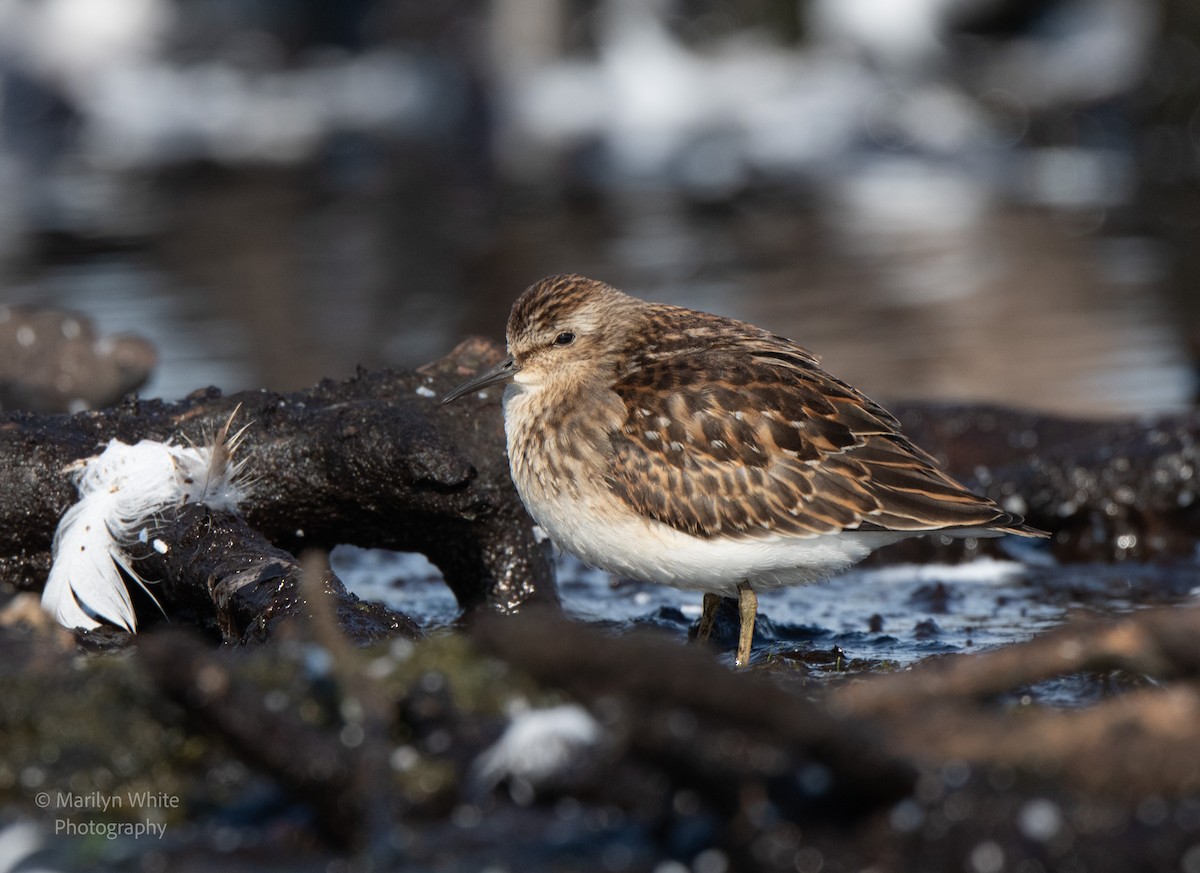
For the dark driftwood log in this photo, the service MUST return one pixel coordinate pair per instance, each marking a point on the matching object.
(1107, 489)
(374, 461)
(219, 573)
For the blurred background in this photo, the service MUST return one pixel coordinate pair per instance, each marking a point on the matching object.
(993, 200)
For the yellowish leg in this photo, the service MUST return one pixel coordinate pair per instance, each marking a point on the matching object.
(748, 609)
(708, 617)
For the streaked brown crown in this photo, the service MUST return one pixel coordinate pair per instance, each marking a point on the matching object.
(726, 430)
(552, 300)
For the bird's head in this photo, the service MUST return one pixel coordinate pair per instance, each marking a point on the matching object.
(564, 331)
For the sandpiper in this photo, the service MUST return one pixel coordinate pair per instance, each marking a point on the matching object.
(674, 446)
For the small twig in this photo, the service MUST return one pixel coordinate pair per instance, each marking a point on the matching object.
(366, 712)
(306, 760)
(1160, 642)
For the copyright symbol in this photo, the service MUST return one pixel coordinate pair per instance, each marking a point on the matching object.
(42, 800)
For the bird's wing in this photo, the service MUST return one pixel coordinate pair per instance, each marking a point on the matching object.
(755, 439)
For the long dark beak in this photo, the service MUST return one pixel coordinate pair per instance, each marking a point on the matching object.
(502, 372)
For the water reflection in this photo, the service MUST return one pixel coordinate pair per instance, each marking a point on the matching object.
(277, 200)
(1012, 306)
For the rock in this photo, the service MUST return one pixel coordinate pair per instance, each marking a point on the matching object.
(52, 361)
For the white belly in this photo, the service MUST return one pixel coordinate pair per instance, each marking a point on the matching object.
(653, 552)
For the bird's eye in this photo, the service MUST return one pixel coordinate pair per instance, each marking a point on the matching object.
(564, 339)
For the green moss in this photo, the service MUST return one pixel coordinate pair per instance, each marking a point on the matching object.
(476, 684)
(84, 737)
(94, 735)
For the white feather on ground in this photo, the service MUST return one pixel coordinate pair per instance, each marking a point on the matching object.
(540, 746)
(122, 491)
(19, 841)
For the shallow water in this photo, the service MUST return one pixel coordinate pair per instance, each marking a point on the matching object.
(258, 286)
(890, 615)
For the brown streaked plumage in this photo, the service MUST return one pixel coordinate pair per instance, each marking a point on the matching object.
(680, 447)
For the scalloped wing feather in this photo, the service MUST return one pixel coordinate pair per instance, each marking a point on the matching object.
(745, 436)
